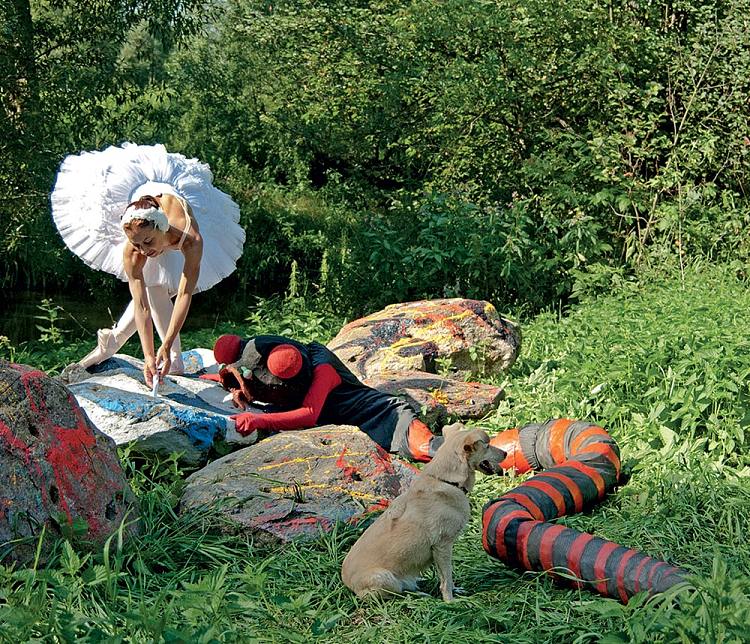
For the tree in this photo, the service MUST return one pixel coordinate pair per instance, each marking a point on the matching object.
(59, 65)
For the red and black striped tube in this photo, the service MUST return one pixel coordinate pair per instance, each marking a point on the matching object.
(581, 464)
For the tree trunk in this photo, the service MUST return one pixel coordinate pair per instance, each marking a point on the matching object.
(18, 87)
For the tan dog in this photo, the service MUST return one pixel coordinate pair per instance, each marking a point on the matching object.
(422, 524)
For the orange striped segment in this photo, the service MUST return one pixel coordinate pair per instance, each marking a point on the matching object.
(637, 587)
(653, 570)
(526, 502)
(620, 575)
(600, 563)
(594, 430)
(500, 531)
(508, 442)
(575, 553)
(551, 492)
(486, 518)
(592, 474)
(522, 542)
(604, 449)
(547, 544)
(557, 439)
(570, 485)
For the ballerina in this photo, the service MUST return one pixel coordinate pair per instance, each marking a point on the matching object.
(153, 219)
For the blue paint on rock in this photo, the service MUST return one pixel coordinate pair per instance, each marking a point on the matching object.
(193, 361)
(201, 427)
(195, 401)
(111, 364)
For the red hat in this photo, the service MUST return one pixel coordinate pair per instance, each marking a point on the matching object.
(227, 349)
(284, 361)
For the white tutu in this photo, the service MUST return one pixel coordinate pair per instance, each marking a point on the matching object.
(94, 188)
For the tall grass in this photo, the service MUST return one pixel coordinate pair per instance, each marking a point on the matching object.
(663, 365)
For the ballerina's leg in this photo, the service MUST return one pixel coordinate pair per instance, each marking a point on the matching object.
(161, 312)
(109, 341)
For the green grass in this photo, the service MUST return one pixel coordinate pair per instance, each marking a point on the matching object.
(663, 365)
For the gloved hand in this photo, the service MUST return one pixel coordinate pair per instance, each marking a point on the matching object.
(244, 423)
(231, 380)
(238, 399)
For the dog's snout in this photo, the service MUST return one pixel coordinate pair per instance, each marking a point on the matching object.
(491, 463)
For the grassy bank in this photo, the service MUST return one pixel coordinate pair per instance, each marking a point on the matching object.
(663, 365)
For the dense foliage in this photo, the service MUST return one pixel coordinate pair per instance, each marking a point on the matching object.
(515, 150)
(523, 151)
(663, 365)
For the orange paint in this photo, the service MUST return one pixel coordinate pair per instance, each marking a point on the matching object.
(557, 439)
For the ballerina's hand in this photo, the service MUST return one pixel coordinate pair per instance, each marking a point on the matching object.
(149, 371)
(164, 361)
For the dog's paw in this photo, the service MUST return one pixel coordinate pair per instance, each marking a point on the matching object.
(418, 593)
(457, 590)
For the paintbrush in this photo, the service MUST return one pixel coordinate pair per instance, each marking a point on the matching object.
(155, 386)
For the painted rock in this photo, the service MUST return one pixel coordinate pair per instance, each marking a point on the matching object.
(439, 400)
(59, 475)
(296, 484)
(187, 415)
(467, 337)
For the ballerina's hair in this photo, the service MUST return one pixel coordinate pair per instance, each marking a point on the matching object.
(146, 209)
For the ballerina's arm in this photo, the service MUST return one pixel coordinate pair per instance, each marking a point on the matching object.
(192, 250)
(134, 263)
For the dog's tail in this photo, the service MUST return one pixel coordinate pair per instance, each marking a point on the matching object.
(581, 464)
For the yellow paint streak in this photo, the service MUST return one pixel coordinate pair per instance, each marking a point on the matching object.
(316, 486)
(439, 396)
(307, 459)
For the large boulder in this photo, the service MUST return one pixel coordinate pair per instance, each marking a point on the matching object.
(295, 484)
(59, 475)
(187, 415)
(468, 337)
(439, 399)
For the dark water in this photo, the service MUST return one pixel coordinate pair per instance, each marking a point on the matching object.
(83, 314)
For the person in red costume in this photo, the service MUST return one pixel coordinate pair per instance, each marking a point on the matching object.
(306, 385)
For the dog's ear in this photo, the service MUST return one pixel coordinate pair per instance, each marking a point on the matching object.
(477, 439)
(449, 430)
(472, 444)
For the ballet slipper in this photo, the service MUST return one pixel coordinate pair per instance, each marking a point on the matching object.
(73, 373)
(106, 347)
(178, 366)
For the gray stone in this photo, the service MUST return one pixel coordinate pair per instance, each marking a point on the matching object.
(467, 337)
(297, 483)
(402, 348)
(188, 415)
(438, 399)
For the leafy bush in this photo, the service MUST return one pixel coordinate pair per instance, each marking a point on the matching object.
(579, 138)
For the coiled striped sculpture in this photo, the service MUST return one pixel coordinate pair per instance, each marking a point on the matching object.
(581, 464)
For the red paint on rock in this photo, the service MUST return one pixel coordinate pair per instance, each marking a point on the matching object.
(383, 463)
(347, 470)
(295, 527)
(68, 454)
(379, 506)
(15, 442)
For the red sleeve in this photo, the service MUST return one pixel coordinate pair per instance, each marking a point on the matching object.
(324, 381)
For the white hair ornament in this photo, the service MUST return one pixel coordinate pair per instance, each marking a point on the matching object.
(155, 215)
